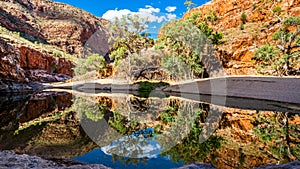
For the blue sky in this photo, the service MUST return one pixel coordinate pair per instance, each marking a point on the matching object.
(159, 11)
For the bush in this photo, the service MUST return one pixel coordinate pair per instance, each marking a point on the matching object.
(244, 18)
(277, 10)
(242, 27)
(94, 62)
(57, 54)
(211, 17)
(145, 88)
(267, 56)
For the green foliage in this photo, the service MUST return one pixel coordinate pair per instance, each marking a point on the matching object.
(171, 65)
(146, 87)
(267, 56)
(277, 10)
(210, 17)
(118, 122)
(17, 33)
(190, 149)
(204, 28)
(88, 109)
(121, 124)
(242, 27)
(193, 28)
(3, 28)
(94, 62)
(292, 21)
(215, 37)
(169, 114)
(189, 5)
(57, 54)
(195, 17)
(284, 57)
(118, 54)
(128, 36)
(244, 18)
(277, 132)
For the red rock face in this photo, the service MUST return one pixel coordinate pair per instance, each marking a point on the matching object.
(32, 59)
(39, 105)
(261, 23)
(10, 69)
(55, 23)
(47, 22)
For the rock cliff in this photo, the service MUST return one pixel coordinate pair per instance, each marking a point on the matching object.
(51, 22)
(40, 40)
(262, 20)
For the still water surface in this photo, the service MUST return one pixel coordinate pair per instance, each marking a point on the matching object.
(128, 131)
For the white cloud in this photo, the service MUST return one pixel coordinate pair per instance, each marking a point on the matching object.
(171, 8)
(153, 14)
(171, 16)
(149, 9)
(112, 14)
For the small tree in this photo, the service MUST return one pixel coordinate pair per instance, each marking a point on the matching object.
(94, 62)
(285, 55)
(202, 25)
(189, 5)
(277, 10)
(268, 55)
(244, 18)
(129, 36)
(211, 17)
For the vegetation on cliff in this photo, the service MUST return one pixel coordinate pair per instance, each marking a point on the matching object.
(284, 57)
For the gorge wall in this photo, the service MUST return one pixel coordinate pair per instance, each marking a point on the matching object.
(40, 40)
(261, 23)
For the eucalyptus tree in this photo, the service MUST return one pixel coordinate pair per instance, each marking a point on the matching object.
(189, 4)
(285, 55)
(128, 36)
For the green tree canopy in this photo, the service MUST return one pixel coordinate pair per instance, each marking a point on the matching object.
(129, 36)
(94, 62)
(285, 55)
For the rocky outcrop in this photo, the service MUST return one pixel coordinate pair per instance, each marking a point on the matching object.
(10, 69)
(33, 59)
(40, 39)
(291, 165)
(22, 64)
(42, 66)
(12, 75)
(197, 165)
(53, 23)
(42, 124)
(10, 159)
(261, 23)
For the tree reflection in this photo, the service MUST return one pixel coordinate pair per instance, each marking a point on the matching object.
(280, 134)
(175, 124)
(190, 149)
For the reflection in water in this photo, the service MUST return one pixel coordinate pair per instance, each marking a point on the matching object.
(126, 131)
(116, 162)
(132, 146)
(42, 124)
(170, 118)
(280, 132)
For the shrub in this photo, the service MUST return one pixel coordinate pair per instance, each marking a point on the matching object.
(244, 18)
(277, 10)
(91, 63)
(242, 27)
(211, 17)
(57, 54)
(145, 88)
